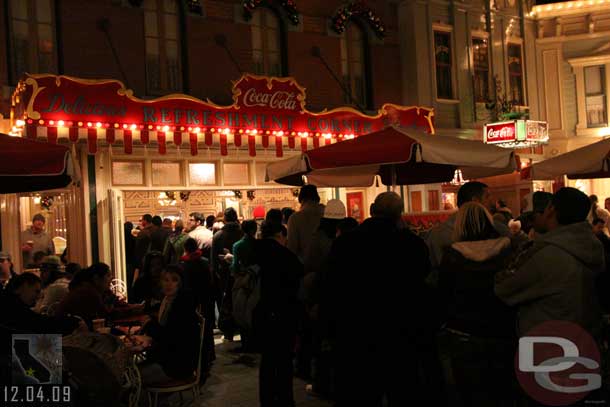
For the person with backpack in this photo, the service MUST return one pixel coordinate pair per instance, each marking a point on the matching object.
(276, 314)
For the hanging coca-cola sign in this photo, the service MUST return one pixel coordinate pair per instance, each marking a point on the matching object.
(503, 132)
(516, 133)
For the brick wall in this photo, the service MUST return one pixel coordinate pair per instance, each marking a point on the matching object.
(86, 52)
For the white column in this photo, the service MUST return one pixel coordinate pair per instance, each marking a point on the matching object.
(9, 216)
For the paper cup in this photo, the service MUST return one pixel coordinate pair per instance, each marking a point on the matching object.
(98, 323)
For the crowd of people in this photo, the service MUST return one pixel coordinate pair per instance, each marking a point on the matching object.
(362, 312)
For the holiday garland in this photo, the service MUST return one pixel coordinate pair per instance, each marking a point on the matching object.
(46, 202)
(357, 9)
(289, 7)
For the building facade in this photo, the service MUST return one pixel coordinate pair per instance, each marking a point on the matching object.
(465, 59)
(573, 61)
(344, 53)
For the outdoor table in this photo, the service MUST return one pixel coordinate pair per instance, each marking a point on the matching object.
(133, 320)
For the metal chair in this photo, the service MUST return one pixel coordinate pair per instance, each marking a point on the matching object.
(178, 386)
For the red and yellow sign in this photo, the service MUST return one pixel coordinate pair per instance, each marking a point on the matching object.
(262, 108)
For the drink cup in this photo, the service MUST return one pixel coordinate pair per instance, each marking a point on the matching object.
(98, 323)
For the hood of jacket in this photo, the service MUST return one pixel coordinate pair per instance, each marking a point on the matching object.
(578, 240)
(482, 250)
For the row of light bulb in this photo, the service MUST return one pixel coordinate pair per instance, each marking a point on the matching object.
(281, 133)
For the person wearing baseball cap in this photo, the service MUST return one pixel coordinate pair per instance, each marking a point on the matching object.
(6, 269)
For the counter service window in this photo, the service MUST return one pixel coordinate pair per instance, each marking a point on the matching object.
(128, 173)
(202, 174)
(166, 173)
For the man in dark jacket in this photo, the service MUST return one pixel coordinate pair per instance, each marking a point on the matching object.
(159, 235)
(142, 244)
(21, 295)
(222, 244)
(379, 269)
(276, 314)
(198, 279)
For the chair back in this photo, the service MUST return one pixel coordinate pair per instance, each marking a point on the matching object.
(201, 350)
(52, 309)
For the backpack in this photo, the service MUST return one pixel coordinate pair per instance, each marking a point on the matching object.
(246, 295)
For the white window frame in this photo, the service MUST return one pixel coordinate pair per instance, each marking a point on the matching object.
(578, 67)
(516, 41)
(439, 27)
(482, 35)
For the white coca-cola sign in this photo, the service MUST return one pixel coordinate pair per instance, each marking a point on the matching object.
(537, 131)
(280, 100)
(500, 132)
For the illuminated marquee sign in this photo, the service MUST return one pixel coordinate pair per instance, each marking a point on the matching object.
(263, 108)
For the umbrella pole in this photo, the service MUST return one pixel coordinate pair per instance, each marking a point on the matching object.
(393, 178)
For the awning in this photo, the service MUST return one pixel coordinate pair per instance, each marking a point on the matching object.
(587, 162)
(27, 165)
(399, 156)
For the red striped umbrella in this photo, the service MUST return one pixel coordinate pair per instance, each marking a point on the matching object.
(28, 165)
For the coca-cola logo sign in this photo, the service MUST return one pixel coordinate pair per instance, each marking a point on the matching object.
(280, 100)
(537, 131)
(500, 132)
(279, 94)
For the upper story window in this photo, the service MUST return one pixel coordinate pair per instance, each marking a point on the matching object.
(161, 23)
(515, 72)
(353, 64)
(480, 56)
(32, 37)
(443, 62)
(266, 42)
(595, 96)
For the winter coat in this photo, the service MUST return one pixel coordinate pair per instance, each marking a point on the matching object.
(280, 274)
(301, 227)
(198, 280)
(466, 284)
(225, 238)
(376, 277)
(556, 281)
(176, 344)
(143, 244)
(441, 236)
(19, 317)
